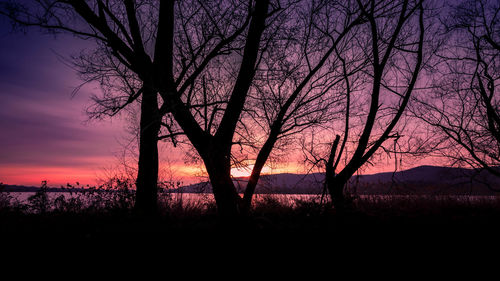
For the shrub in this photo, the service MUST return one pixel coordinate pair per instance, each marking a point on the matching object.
(40, 203)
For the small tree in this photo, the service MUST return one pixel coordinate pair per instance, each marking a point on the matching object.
(297, 82)
(377, 87)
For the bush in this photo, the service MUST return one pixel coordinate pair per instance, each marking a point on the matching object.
(40, 203)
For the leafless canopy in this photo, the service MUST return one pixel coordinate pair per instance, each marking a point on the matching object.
(463, 108)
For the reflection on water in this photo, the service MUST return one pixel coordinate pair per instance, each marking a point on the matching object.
(22, 197)
(196, 198)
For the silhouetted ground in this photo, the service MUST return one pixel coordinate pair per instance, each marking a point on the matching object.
(390, 220)
(372, 238)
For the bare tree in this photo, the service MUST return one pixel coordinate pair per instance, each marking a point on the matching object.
(165, 48)
(192, 65)
(295, 75)
(376, 86)
(463, 108)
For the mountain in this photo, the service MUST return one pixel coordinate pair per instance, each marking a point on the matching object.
(420, 180)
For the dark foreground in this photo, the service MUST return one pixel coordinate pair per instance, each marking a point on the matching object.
(374, 237)
(390, 220)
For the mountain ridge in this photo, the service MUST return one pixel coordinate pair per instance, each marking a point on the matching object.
(425, 179)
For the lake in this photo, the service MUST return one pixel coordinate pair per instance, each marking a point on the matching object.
(188, 198)
(201, 199)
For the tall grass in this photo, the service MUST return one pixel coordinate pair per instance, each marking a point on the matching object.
(111, 196)
(117, 197)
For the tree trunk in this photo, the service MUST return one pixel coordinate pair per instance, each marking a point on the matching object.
(264, 153)
(225, 194)
(335, 185)
(250, 190)
(226, 197)
(147, 175)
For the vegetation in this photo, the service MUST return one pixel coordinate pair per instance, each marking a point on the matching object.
(238, 80)
(100, 212)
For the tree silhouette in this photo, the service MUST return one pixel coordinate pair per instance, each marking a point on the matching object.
(379, 72)
(166, 48)
(299, 77)
(253, 73)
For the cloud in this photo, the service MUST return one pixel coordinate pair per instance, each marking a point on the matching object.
(41, 125)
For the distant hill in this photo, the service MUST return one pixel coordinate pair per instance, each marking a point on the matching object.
(420, 180)
(18, 188)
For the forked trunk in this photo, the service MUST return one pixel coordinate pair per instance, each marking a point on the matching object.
(226, 197)
(335, 183)
(147, 175)
(225, 194)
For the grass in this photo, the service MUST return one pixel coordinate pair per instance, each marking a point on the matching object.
(102, 225)
(99, 213)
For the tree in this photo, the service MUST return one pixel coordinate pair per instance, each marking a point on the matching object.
(377, 87)
(293, 70)
(295, 76)
(192, 65)
(173, 51)
(165, 47)
(463, 108)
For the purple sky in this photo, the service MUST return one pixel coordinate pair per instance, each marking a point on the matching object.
(43, 133)
(43, 130)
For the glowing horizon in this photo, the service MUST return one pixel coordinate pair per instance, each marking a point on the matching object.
(56, 176)
(45, 133)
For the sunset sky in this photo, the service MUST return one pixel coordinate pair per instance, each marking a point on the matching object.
(44, 130)
(46, 134)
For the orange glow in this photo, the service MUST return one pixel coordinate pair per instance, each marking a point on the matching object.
(241, 171)
(54, 175)
(245, 171)
(33, 175)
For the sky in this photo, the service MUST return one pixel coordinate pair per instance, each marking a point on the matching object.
(45, 134)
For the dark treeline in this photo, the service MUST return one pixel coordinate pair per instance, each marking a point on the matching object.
(232, 78)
